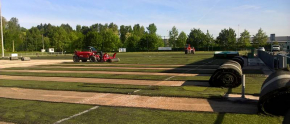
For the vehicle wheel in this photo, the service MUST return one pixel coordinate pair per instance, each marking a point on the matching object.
(93, 59)
(84, 60)
(76, 59)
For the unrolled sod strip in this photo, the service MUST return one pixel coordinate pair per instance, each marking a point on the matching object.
(107, 72)
(131, 68)
(105, 81)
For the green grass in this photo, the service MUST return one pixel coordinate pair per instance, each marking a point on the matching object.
(196, 92)
(25, 111)
(107, 76)
(86, 65)
(154, 58)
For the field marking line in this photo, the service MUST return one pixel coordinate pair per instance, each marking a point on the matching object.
(76, 115)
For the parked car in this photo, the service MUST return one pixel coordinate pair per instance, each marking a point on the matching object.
(275, 48)
(261, 48)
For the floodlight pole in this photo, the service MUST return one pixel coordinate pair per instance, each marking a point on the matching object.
(1, 32)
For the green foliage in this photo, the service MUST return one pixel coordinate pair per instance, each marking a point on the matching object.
(150, 42)
(227, 38)
(196, 38)
(152, 29)
(181, 40)
(275, 43)
(132, 42)
(124, 31)
(173, 34)
(244, 40)
(260, 39)
(208, 40)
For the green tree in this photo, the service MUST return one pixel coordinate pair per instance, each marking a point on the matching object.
(152, 29)
(208, 40)
(173, 34)
(196, 38)
(181, 40)
(227, 38)
(132, 42)
(150, 42)
(138, 30)
(244, 40)
(13, 34)
(124, 31)
(275, 43)
(260, 39)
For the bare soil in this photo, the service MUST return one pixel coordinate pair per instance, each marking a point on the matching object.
(108, 99)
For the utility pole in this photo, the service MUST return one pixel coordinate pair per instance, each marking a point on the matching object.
(1, 32)
(13, 45)
(42, 42)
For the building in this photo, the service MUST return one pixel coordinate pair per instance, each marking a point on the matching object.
(284, 42)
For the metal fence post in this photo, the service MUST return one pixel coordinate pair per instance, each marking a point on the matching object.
(243, 85)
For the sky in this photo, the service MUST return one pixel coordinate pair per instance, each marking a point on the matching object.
(273, 16)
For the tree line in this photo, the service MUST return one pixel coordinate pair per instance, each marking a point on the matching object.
(110, 37)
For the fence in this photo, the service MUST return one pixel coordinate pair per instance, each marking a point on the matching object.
(274, 61)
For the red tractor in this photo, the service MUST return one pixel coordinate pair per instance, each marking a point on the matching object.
(188, 49)
(91, 54)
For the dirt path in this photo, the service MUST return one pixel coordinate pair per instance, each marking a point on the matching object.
(132, 68)
(19, 63)
(106, 81)
(108, 99)
(108, 72)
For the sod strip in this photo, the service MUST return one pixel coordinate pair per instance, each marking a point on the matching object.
(26, 111)
(106, 72)
(109, 76)
(132, 68)
(185, 91)
(113, 70)
(107, 99)
(108, 81)
(135, 66)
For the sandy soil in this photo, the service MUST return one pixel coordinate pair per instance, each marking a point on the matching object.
(19, 63)
(108, 99)
(108, 72)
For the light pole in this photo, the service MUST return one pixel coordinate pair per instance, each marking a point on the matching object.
(1, 32)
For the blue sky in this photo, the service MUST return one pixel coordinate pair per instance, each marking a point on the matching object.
(273, 16)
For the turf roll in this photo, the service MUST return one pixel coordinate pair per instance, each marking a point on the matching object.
(25, 58)
(240, 60)
(114, 60)
(287, 118)
(275, 94)
(228, 74)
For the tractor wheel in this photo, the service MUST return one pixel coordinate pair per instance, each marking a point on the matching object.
(84, 60)
(93, 59)
(76, 59)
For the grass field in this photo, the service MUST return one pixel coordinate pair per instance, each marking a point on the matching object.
(24, 111)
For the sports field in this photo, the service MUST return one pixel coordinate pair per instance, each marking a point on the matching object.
(144, 87)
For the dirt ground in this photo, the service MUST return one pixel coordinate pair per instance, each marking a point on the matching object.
(108, 99)
(19, 63)
(108, 72)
